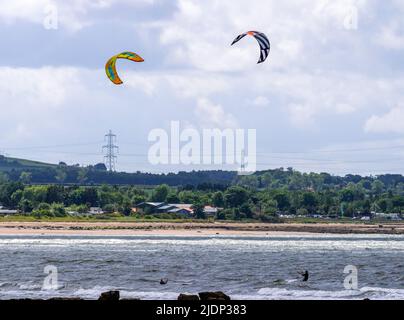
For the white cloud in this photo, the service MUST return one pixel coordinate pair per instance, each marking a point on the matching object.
(72, 15)
(46, 87)
(389, 122)
(199, 39)
(35, 100)
(213, 115)
(391, 37)
(301, 116)
(260, 101)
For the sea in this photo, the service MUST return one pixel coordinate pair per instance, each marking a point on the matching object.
(244, 267)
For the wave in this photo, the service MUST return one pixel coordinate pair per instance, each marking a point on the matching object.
(94, 293)
(374, 293)
(362, 293)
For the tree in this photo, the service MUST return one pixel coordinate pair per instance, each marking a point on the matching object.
(58, 210)
(221, 215)
(82, 175)
(126, 207)
(377, 187)
(25, 177)
(270, 207)
(160, 193)
(309, 201)
(199, 212)
(109, 208)
(100, 167)
(347, 195)
(245, 209)
(187, 196)
(55, 194)
(235, 196)
(26, 206)
(172, 197)
(3, 178)
(218, 199)
(282, 199)
(61, 174)
(16, 197)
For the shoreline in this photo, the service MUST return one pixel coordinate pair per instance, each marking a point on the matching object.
(192, 228)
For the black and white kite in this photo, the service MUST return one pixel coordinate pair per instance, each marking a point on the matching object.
(263, 41)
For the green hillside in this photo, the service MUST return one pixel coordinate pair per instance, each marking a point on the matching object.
(8, 164)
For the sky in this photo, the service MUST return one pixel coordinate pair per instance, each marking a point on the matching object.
(329, 98)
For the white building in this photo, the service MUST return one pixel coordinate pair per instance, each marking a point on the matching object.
(95, 210)
(386, 216)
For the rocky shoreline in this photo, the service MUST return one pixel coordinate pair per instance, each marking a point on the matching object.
(114, 295)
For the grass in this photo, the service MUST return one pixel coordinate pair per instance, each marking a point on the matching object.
(8, 164)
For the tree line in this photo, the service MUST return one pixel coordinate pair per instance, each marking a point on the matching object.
(262, 196)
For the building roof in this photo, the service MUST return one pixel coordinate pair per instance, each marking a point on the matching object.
(176, 210)
(182, 205)
(8, 211)
(167, 207)
(210, 209)
(153, 204)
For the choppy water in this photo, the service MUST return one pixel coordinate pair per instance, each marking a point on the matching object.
(244, 268)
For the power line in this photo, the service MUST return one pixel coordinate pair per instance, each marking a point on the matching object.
(110, 147)
(53, 146)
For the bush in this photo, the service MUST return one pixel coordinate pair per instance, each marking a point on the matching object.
(269, 218)
(58, 210)
(302, 212)
(43, 206)
(37, 213)
(109, 208)
(221, 215)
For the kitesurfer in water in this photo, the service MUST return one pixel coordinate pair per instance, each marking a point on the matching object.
(305, 276)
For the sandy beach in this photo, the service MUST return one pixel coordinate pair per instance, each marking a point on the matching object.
(191, 228)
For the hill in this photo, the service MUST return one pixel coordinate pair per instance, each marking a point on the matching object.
(44, 173)
(8, 164)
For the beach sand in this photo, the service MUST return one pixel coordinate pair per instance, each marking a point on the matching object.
(191, 228)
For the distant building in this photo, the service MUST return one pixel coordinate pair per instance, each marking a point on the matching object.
(4, 211)
(73, 213)
(148, 207)
(183, 211)
(181, 208)
(386, 216)
(210, 211)
(95, 210)
(178, 208)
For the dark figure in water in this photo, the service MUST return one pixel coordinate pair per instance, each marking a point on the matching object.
(305, 276)
(163, 281)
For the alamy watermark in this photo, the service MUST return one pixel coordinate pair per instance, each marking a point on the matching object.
(351, 21)
(51, 281)
(235, 148)
(351, 280)
(349, 14)
(51, 18)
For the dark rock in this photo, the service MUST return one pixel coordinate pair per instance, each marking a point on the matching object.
(25, 299)
(109, 296)
(213, 296)
(187, 297)
(65, 299)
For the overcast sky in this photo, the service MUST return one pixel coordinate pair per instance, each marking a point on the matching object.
(329, 97)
